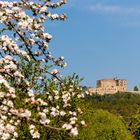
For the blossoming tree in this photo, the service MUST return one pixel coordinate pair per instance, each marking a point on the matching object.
(35, 103)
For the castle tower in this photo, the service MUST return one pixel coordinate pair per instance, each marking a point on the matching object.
(121, 85)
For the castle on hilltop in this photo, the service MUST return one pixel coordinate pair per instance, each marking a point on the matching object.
(109, 86)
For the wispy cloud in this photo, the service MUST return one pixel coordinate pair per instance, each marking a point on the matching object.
(125, 15)
(104, 8)
(133, 11)
(111, 9)
(122, 13)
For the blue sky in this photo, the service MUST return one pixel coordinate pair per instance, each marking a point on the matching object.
(100, 39)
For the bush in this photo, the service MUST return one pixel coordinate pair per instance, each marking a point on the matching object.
(102, 125)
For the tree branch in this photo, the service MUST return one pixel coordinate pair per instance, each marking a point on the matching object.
(30, 52)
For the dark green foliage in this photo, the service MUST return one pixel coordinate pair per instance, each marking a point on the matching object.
(136, 88)
(120, 104)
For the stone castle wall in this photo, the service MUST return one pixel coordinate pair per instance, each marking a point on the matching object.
(109, 86)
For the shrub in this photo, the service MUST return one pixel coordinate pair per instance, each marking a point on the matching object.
(102, 125)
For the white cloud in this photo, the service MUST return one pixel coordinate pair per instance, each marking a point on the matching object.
(108, 8)
(104, 8)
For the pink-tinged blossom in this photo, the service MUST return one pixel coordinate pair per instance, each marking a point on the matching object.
(67, 126)
(54, 72)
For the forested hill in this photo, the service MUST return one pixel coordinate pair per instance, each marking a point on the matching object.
(112, 117)
(120, 104)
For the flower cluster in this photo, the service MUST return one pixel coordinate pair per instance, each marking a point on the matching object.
(34, 132)
(28, 95)
(9, 46)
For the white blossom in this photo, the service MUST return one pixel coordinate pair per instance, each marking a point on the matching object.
(74, 131)
(67, 126)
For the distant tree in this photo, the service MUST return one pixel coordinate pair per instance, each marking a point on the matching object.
(84, 88)
(136, 88)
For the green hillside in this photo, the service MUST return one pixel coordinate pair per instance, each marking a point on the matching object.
(112, 116)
